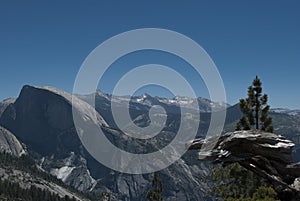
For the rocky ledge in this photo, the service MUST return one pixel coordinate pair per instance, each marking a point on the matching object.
(266, 154)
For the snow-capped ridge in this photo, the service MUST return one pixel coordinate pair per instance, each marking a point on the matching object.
(295, 112)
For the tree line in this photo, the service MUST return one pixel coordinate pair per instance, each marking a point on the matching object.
(12, 192)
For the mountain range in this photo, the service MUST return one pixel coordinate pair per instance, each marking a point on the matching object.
(39, 123)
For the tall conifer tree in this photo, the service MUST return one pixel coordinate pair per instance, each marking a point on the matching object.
(255, 109)
(154, 194)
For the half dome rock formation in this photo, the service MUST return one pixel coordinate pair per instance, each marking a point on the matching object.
(266, 154)
(9, 143)
(41, 118)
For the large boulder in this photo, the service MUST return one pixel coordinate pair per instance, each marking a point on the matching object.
(266, 154)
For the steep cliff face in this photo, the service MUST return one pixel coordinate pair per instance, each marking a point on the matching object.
(10, 144)
(42, 119)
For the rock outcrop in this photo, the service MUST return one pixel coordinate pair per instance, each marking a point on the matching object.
(5, 103)
(9, 143)
(266, 154)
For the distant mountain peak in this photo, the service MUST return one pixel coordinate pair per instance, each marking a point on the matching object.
(286, 111)
(145, 95)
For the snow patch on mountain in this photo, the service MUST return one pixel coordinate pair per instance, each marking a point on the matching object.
(62, 173)
(286, 111)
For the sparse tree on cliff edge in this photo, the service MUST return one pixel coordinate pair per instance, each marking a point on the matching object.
(255, 109)
(154, 194)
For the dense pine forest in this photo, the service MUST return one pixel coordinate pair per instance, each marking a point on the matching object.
(12, 191)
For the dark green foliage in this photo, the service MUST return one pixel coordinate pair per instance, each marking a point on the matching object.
(12, 191)
(235, 183)
(263, 193)
(154, 194)
(255, 109)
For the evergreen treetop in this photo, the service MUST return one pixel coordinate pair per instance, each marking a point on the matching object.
(255, 109)
(154, 194)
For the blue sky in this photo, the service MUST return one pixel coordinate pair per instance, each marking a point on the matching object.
(45, 42)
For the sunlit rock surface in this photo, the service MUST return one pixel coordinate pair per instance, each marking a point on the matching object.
(266, 154)
(9, 143)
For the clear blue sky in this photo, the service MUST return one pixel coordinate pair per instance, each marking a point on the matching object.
(45, 42)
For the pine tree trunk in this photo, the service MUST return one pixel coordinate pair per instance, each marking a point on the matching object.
(256, 111)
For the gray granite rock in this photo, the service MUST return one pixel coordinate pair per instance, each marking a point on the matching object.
(266, 154)
(10, 144)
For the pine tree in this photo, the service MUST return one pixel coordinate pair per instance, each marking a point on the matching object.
(154, 194)
(255, 109)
